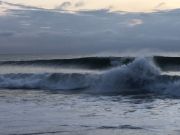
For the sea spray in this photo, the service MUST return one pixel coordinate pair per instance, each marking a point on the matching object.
(131, 77)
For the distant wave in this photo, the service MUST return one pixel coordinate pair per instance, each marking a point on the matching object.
(87, 62)
(138, 77)
(165, 63)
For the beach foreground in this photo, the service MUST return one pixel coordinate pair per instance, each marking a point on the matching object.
(41, 112)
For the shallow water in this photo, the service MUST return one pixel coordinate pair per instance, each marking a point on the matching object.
(44, 112)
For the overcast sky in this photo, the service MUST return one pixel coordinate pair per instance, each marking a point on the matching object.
(89, 27)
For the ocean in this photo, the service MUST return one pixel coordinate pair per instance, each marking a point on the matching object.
(89, 95)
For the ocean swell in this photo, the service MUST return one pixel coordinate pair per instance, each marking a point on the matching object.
(138, 77)
(86, 62)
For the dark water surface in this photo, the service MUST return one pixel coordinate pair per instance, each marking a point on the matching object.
(43, 112)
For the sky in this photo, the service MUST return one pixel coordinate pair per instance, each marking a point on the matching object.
(89, 27)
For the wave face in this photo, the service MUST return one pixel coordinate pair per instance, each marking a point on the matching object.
(88, 62)
(137, 77)
(165, 63)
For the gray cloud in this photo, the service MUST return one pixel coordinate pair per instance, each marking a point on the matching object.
(6, 34)
(160, 5)
(79, 4)
(89, 32)
(135, 22)
(20, 6)
(64, 5)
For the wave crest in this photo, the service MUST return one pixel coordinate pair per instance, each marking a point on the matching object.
(132, 77)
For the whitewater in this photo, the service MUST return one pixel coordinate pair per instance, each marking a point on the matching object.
(90, 95)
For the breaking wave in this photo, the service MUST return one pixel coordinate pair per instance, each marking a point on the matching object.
(137, 77)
